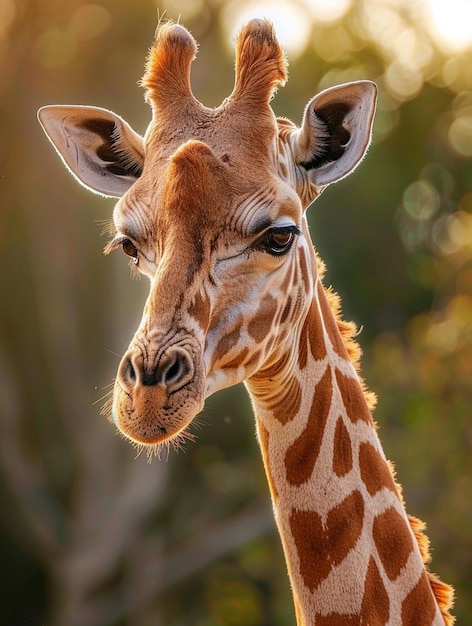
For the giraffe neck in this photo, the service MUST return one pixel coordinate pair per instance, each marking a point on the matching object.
(351, 553)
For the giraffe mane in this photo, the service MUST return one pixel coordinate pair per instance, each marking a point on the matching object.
(443, 592)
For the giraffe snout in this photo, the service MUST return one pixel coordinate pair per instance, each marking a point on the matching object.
(155, 399)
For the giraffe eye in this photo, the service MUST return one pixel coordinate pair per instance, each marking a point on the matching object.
(278, 241)
(130, 249)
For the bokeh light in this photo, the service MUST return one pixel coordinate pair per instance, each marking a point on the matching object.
(460, 129)
(57, 46)
(89, 21)
(327, 10)
(291, 21)
(450, 22)
(7, 16)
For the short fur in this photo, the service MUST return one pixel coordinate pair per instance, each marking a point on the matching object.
(443, 592)
(208, 198)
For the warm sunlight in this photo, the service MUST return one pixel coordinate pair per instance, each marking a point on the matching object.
(327, 10)
(451, 23)
(291, 21)
(90, 532)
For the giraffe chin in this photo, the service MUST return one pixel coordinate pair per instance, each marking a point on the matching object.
(149, 416)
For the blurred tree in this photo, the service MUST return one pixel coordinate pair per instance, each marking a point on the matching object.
(89, 534)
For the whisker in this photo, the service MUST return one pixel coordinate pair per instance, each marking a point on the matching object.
(120, 356)
(108, 227)
(139, 447)
(107, 407)
(189, 436)
(102, 398)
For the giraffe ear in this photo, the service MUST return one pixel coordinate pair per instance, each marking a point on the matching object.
(336, 131)
(98, 147)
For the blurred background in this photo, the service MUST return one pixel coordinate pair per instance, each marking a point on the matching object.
(90, 535)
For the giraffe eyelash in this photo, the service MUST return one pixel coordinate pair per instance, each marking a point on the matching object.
(117, 242)
(111, 245)
(132, 252)
(134, 263)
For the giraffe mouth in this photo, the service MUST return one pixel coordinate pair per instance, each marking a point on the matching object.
(154, 404)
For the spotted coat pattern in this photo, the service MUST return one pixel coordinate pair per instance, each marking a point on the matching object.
(212, 208)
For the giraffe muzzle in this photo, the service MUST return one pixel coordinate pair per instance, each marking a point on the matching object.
(154, 400)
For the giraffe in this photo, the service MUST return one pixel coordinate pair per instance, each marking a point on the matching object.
(212, 208)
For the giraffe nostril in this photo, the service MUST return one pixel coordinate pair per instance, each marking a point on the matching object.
(127, 371)
(173, 372)
(175, 369)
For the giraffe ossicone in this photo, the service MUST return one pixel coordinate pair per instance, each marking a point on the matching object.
(212, 208)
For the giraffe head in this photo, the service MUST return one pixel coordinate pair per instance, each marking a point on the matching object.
(212, 209)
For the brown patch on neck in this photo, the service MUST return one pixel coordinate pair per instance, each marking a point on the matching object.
(353, 398)
(375, 603)
(264, 444)
(443, 592)
(336, 619)
(375, 472)
(311, 337)
(419, 606)
(302, 455)
(393, 541)
(329, 313)
(321, 547)
(342, 450)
